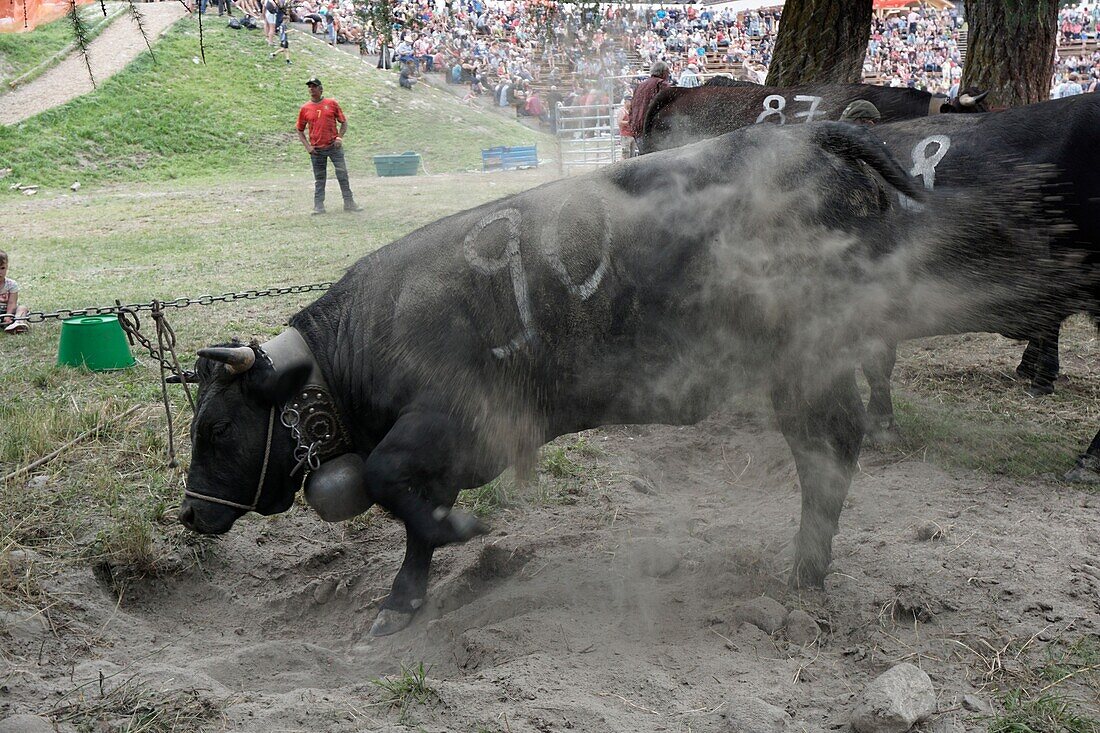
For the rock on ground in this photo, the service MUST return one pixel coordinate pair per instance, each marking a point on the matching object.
(751, 715)
(894, 701)
(801, 627)
(763, 612)
(25, 724)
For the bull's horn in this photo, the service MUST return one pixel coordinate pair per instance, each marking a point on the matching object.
(968, 101)
(237, 359)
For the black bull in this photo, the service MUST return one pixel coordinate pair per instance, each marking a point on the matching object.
(1056, 136)
(647, 292)
(681, 115)
(1057, 139)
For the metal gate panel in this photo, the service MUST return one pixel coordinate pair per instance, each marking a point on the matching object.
(588, 136)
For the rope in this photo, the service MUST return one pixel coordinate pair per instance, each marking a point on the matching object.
(259, 486)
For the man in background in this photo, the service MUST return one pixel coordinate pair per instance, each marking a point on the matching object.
(325, 142)
(861, 112)
(643, 95)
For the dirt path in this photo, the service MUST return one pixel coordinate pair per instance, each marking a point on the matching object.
(604, 600)
(109, 54)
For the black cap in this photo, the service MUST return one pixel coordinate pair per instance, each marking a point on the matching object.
(860, 109)
(314, 82)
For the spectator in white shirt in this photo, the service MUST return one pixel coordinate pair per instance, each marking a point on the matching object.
(689, 77)
(1068, 88)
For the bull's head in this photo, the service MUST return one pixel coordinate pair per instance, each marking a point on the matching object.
(242, 457)
(969, 100)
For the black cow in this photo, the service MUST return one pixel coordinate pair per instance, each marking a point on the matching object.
(1053, 135)
(681, 115)
(646, 292)
(1056, 139)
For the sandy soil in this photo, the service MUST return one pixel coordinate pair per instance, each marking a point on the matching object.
(108, 54)
(600, 602)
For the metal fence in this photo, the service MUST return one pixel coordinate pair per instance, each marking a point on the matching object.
(588, 136)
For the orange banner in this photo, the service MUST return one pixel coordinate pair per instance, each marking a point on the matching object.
(17, 16)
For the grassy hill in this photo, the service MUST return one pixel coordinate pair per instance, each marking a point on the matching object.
(235, 114)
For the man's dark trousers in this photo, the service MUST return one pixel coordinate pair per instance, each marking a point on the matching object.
(320, 158)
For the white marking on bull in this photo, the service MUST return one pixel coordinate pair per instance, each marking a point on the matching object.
(552, 246)
(815, 102)
(924, 166)
(774, 104)
(513, 259)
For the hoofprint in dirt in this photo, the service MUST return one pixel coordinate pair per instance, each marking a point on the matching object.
(108, 54)
(609, 597)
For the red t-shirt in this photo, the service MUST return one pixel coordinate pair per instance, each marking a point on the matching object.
(321, 118)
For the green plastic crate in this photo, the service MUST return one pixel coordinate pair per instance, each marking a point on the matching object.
(405, 164)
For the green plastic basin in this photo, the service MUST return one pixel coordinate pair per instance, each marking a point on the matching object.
(95, 342)
(405, 164)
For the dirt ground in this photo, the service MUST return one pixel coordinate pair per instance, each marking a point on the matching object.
(603, 600)
(607, 597)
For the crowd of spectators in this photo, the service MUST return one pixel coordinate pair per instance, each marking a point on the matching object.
(531, 54)
(918, 48)
(1077, 24)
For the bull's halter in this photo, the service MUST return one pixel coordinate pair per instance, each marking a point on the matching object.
(310, 416)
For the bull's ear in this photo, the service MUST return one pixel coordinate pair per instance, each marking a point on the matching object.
(946, 108)
(276, 386)
(188, 376)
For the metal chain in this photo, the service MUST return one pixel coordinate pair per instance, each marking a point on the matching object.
(134, 308)
(163, 353)
(304, 453)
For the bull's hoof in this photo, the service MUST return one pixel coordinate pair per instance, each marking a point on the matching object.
(807, 576)
(1040, 390)
(389, 622)
(1087, 471)
(881, 436)
(465, 526)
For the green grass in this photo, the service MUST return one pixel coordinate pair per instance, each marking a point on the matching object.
(235, 115)
(23, 53)
(559, 480)
(556, 462)
(409, 688)
(1052, 693)
(1044, 713)
(108, 501)
(488, 499)
(965, 438)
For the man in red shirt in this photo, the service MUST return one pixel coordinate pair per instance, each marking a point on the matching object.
(643, 95)
(320, 115)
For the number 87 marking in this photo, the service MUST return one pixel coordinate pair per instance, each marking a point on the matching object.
(774, 104)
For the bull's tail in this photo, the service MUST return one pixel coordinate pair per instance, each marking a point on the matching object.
(853, 142)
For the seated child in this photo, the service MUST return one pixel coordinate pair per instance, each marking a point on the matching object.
(10, 310)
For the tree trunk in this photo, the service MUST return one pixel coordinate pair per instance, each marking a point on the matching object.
(1011, 49)
(821, 41)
